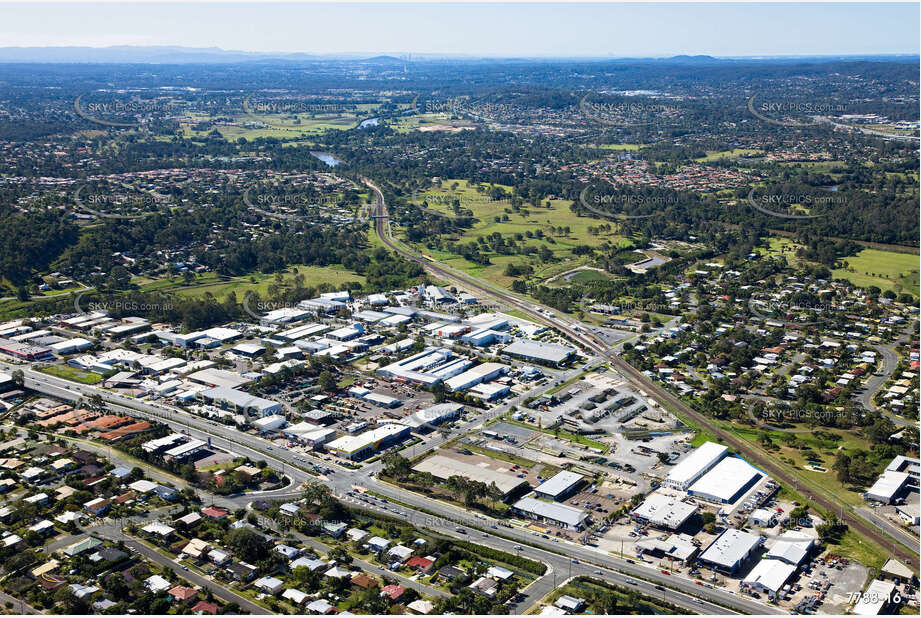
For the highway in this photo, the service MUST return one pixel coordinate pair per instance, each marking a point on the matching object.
(421, 511)
(821, 497)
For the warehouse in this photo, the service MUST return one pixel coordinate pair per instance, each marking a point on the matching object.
(486, 336)
(249, 350)
(792, 547)
(887, 487)
(472, 377)
(24, 351)
(489, 392)
(538, 351)
(70, 346)
(270, 423)
(434, 415)
(678, 547)
(695, 465)
(876, 599)
(443, 468)
(305, 330)
(240, 402)
(419, 368)
(361, 446)
(218, 377)
(555, 513)
(730, 550)
(769, 576)
(347, 333)
(663, 511)
(727, 481)
(184, 451)
(285, 315)
(559, 487)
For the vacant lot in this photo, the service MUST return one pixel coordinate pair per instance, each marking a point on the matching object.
(72, 373)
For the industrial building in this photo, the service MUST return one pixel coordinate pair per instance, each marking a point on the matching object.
(730, 550)
(25, 351)
(472, 377)
(443, 468)
(695, 465)
(434, 415)
(363, 445)
(238, 401)
(218, 377)
(183, 451)
(792, 547)
(560, 486)
(769, 576)
(726, 482)
(540, 352)
(427, 368)
(875, 600)
(555, 513)
(663, 511)
(887, 487)
(678, 547)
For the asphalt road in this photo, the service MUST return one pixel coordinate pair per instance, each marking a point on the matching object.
(826, 500)
(421, 509)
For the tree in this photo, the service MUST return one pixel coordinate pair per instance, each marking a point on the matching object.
(327, 381)
(248, 545)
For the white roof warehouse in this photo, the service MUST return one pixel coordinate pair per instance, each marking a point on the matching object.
(561, 485)
(539, 351)
(240, 401)
(695, 465)
(730, 549)
(553, 512)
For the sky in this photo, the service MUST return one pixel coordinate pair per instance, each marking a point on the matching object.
(498, 30)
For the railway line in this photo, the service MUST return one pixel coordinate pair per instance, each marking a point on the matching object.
(545, 316)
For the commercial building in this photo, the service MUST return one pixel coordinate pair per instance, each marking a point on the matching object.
(434, 415)
(678, 547)
(875, 600)
(769, 576)
(726, 482)
(910, 465)
(538, 351)
(887, 487)
(184, 451)
(555, 513)
(730, 550)
(472, 377)
(69, 346)
(792, 547)
(272, 422)
(25, 351)
(560, 486)
(363, 445)
(663, 511)
(422, 368)
(218, 377)
(695, 465)
(443, 468)
(238, 401)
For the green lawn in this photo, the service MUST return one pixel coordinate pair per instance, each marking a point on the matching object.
(72, 373)
(886, 270)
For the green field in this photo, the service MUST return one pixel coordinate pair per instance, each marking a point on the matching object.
(485, 211)
(219, 286)
(886, 270)
(713, 155)
(72, 373)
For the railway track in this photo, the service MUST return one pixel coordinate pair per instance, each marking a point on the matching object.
(761, 459)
